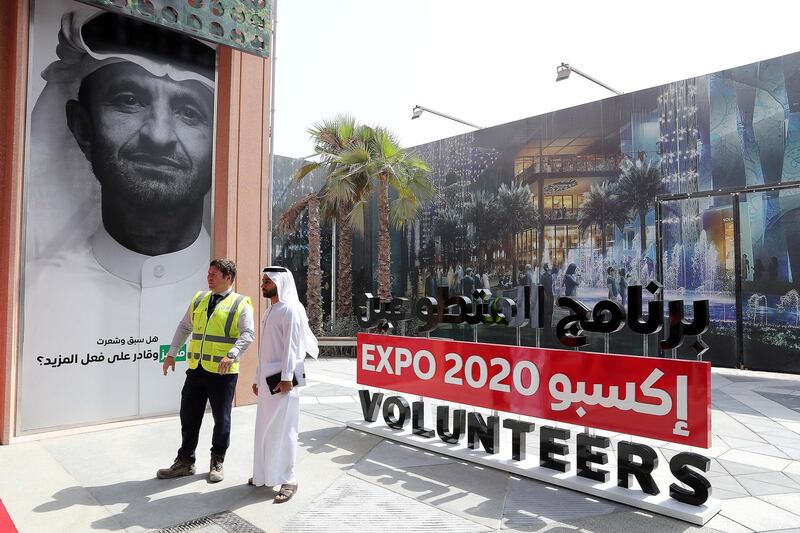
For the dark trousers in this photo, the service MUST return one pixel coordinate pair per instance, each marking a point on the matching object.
(218, 389)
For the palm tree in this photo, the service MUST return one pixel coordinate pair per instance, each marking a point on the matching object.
(448, 229)
(286, 225)
(376, 158)
(601, 207)
(480, 212)
(515, 208)
(331, 137)
(639, 185)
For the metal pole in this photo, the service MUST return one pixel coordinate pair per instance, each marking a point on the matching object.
(590, 78)
(271, 151)
(737, 250)
(449, 117)
(333, 273)
(659, 262)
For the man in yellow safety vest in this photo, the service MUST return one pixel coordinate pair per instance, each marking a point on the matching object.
(220, 322)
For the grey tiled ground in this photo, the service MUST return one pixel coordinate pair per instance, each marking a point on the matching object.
(350, 481)
(787, 399)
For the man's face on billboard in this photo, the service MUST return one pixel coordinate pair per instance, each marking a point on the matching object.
(149, 139)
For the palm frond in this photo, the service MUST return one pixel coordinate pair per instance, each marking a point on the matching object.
(287, 223)
(639, 185)
(514, 203)
(356, 216)
(304, 171)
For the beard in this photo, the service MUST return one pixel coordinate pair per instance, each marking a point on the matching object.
(165, 187)
(270, 293)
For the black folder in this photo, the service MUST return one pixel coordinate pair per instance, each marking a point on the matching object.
(274, 379)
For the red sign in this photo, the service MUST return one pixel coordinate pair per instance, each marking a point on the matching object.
(664, 399)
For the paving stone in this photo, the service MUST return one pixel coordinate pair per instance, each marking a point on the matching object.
(791, 451)
(791, 439)
(786, 400)
(351, 504)
(727, 525)
(740, 443)
(763, 461)
(467, 490)
(759, 515)
(390, 454)
(763, 449)
(789, 502)
(743, 378)
(530, 504)
(776, 478)
(633, 522)
(760, 488)
(728, 483)
(736, 468)
(722, 494)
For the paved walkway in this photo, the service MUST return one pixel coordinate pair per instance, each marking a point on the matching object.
(104, 480)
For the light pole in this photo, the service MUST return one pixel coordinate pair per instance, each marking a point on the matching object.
(418, 110)
(565, 69)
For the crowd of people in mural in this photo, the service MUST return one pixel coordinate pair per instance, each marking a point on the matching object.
(461, 281)
(558, 282)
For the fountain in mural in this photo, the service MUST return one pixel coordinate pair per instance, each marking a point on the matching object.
(590, 266)
(705, 263)
(790, 303)
(672, 272)
(756, 312)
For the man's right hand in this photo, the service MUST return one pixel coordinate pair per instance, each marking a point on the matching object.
(169, 362)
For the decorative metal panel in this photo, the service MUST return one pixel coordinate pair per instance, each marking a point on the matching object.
(240, 24)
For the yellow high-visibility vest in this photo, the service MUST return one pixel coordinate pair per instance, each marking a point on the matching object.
(214, 336)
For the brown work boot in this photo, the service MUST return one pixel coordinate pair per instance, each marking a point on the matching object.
(181, 467)
(215, 472)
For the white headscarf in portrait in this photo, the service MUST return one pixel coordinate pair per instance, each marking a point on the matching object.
(287, 294)
(63, 194)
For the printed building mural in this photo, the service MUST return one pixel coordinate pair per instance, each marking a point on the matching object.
(692, 183)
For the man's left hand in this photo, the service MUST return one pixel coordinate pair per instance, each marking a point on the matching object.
(225, 365)
(283, 387)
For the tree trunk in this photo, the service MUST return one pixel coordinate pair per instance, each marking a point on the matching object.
(384, 242)
(412, 259)
(643, 232)
(603, 239)
(515, 269)
(344, 270)
(314, 294)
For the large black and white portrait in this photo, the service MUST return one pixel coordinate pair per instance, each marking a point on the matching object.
(118, 192)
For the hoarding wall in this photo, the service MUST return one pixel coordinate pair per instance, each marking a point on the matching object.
(719, 151)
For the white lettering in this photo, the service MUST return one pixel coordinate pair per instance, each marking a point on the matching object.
(450, 375)
(402, 359)
(561, 389)
(534, 378)
(367, 356)
(505, 370)
(420, 355)
(472, 361)
(384, 353)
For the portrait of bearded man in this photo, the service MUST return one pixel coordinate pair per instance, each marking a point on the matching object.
(118, 182)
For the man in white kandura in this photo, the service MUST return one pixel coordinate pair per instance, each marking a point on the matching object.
(285, 340)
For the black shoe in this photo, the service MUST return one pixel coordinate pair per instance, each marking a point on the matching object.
(215, 472)
(181, 467)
